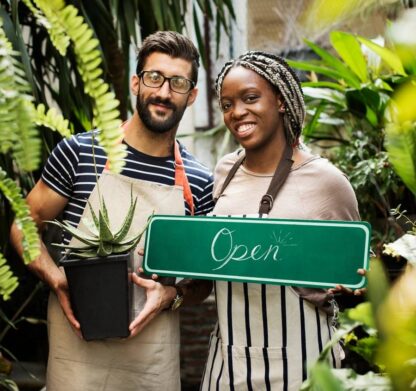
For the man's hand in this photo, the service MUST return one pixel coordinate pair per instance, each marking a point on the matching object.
(62, 293)
(158, 298)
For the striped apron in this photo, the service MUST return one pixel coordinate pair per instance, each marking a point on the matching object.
(266, 335)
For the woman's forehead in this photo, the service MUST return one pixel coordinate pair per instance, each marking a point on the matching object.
(238, 78)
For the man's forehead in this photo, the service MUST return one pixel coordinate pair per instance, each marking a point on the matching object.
(168, 65)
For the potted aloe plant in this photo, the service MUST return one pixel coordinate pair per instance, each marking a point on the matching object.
(98, 273)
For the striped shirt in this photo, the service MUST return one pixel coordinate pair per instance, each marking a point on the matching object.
(70, 172)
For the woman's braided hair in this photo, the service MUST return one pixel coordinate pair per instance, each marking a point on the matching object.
(282, 77)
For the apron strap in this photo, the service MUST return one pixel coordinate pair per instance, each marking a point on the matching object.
(279, 177)
(182, 180)
(230, 175)
(180, 176)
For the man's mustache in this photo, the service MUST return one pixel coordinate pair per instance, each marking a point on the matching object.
(165, 102)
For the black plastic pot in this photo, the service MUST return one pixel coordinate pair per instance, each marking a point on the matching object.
(100, 293)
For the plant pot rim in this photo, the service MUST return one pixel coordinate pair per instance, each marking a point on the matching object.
(65, 261)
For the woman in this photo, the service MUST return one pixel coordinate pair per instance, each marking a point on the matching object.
(267, 336)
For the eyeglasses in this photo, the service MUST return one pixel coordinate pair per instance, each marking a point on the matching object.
(154, 79)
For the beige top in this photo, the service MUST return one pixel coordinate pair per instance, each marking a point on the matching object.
(314, 189)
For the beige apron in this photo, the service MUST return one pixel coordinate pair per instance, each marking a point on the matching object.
(148, 361)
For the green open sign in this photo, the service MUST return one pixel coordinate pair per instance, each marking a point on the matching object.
(310, 253)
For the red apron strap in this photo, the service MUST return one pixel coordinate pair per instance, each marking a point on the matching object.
(182, 180)
(180, 176)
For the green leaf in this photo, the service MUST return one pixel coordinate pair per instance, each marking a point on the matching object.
(327, 84)
(322, 378)
(400, 143)
(320, 69)
(349, 50)
(125, 226)
(105, 233)
(325, 94)
(336, 64)
(390, 58)
(8, 282)
(378, 286)
(75, 232)
(17, 129)
(30, 240)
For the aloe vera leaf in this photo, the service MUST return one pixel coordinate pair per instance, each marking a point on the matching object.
(125, 226)
(118, 249)
(84, 254)
(90, 225)
(75, 232)
(105, 234)
(104, 249)
(136, 239)
(68, 247)
(105, 212)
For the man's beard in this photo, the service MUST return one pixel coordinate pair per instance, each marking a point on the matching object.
(162, 125)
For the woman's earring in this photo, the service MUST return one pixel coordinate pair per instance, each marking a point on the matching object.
(282, 109)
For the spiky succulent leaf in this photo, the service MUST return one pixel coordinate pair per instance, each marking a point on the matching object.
(30, 240)
(76, 233)
(105, 234)
(105, 249)
(69, 247)
(8, 282)
(125, 226)
(84, 254)
(105, 211)
(90, 225)
(94, 216)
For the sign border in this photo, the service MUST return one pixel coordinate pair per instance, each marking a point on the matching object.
(363, 225)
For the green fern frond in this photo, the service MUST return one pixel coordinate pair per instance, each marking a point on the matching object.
(8, 282)
(30, 241)
(17, 129)
(48, 20)
(53, 120)
(88, 57)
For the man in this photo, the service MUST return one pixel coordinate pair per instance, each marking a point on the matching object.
(164, 84)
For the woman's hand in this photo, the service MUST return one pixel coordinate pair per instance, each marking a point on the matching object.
(341, 289)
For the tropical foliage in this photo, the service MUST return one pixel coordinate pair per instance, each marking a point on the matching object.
(360, 110)
(354, 104)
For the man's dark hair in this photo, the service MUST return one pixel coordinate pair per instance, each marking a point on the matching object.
(173, 44)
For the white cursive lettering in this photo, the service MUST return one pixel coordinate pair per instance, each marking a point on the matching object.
(223, 242)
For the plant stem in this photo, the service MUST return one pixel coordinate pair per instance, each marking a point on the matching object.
(20, 309)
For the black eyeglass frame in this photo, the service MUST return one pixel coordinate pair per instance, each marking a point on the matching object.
(141, 74)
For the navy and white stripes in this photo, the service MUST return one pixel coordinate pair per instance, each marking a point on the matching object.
(70, 172)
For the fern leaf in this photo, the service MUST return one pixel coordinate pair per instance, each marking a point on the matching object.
(65, 21)
(50, 21)
(30, 241)
(17, 129)
(8, 282)
(53, 120)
